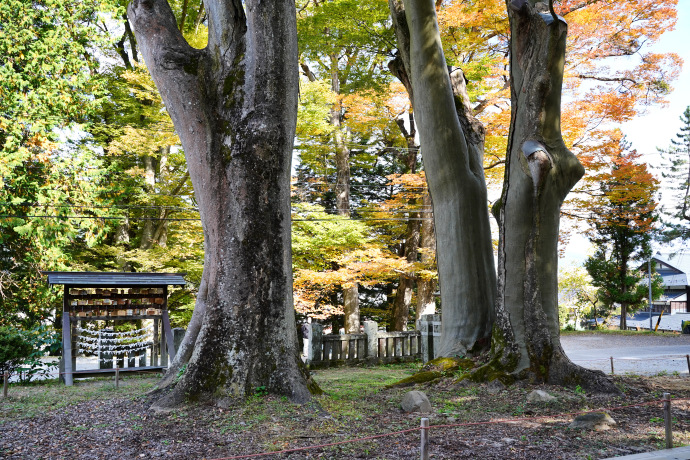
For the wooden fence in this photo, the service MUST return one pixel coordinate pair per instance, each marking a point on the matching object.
(373, 345)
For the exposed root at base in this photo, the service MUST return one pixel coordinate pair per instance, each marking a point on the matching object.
(561, 371)
(434, 370)
(566, 373)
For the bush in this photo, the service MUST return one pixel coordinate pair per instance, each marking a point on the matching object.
(42, 339)
(15, 349)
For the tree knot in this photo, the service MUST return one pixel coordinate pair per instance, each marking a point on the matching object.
(539, 161)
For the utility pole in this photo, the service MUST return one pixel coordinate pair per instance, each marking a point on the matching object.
(649, 273)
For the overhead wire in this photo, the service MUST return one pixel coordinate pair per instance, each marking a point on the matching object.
(421, 208)
(182, 219)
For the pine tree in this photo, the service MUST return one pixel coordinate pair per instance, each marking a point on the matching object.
(622, 218)
(676, 173)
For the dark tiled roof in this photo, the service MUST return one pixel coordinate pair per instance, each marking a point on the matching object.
(115, 279)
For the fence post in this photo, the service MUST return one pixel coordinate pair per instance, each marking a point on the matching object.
(117, 377)
(430, 328)
(178, 336)
(5, 382)
(371, 329)
(424, 448)
(612, 372)
(667, 420)
(315, 343)
(687, 357)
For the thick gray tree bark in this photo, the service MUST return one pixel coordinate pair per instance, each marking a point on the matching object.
(452, 151)
(234, 106)
(540, 171)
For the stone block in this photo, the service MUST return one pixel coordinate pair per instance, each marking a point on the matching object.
(416, 401)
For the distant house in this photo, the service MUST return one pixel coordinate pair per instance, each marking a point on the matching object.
(674, 268)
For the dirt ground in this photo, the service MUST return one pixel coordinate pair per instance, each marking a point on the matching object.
(95, 420)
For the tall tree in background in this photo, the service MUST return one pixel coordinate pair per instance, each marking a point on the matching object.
(622, 217)
(343, 51)
(676, 172)
(234, 104)
(151, 198)
(48, 81)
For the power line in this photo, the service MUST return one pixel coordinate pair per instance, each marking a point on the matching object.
(412, 187)
(6, 216)
(335, 210)
(335, 219)
(93, 206)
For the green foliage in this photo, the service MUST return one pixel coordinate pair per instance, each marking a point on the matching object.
(15, 349)
(348, 37)
(330, 252)
(48, 85)
(676, 173)
(46, 78)
(623, 218)
(320, 239)
(42, 340)
(618, 286)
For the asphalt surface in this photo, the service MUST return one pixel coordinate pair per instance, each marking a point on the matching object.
(643, 355)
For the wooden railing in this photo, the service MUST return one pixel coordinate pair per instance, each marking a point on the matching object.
(373, 346)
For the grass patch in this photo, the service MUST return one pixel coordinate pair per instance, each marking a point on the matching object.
(356, 404)
(43, 397)
(346, 389)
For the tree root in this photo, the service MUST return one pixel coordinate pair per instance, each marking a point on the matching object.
(566, 373)
(561, 371)
(434, 370)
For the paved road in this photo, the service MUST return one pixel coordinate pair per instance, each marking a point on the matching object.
(645, 355)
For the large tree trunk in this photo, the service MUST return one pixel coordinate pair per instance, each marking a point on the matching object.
(539, 174)
(234, 107)
(452, 150)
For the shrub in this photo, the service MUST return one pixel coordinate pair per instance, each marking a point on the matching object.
(43, 339)
(15, 349)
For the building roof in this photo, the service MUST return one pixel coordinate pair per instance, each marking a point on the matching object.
(674, 269)
(115, 279)
(679, 260)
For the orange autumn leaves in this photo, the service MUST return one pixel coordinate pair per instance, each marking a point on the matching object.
(609, 75)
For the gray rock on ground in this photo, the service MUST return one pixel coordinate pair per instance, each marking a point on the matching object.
(495, 387)
(415, 401)
(598, 421)
(538, 396)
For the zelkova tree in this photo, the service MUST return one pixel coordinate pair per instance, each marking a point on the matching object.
(234, 106)
(540, 171)
(452, 149)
